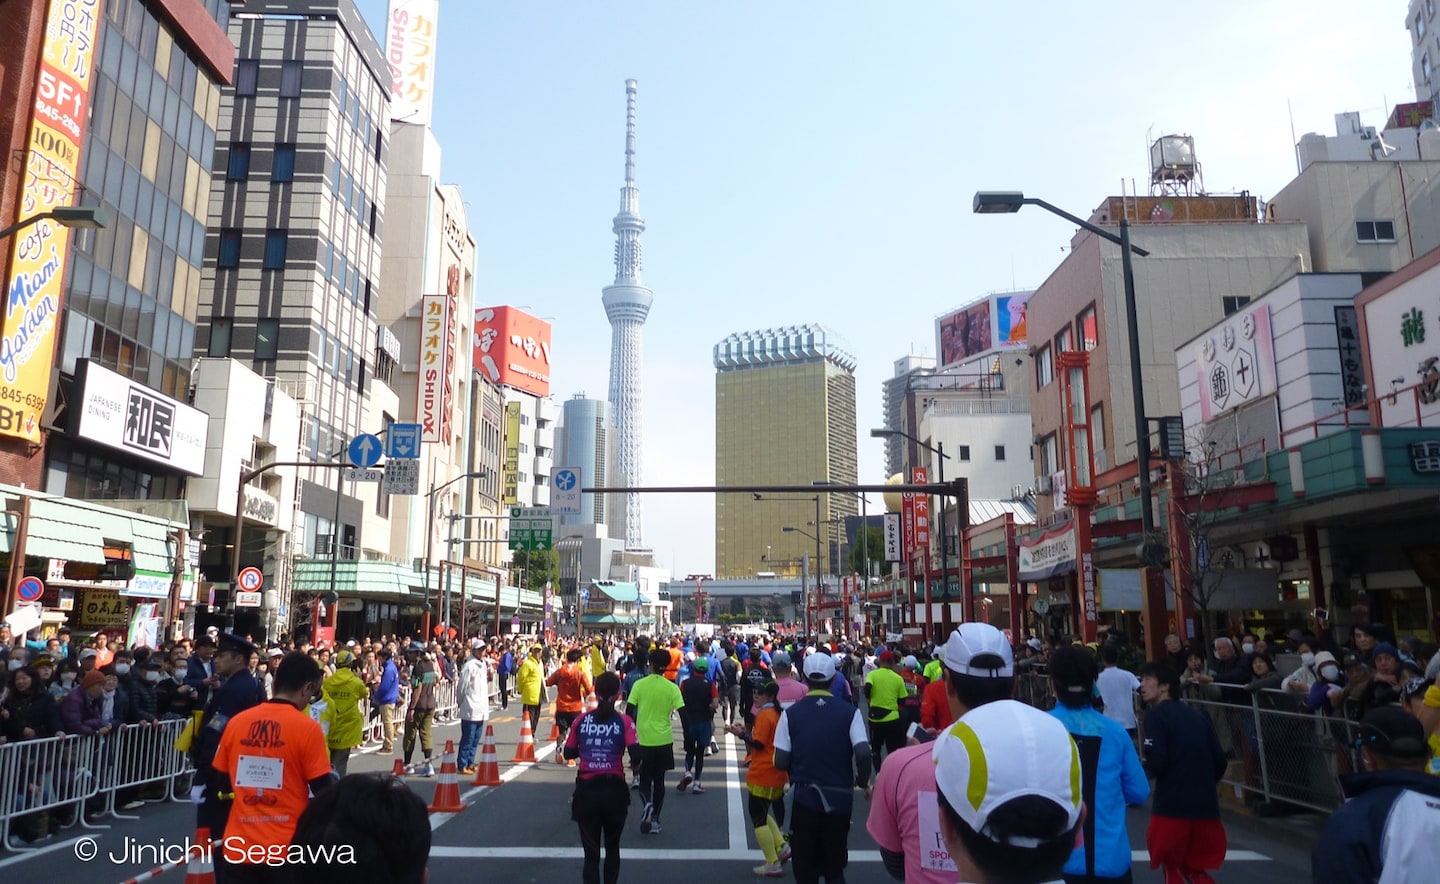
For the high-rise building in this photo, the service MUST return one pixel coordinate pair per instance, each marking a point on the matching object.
(1424, 50)
(292, 256)
(585, 441)
(512, 351)
(133, 286)
(784, 414)
(627, 304)
(909, 373)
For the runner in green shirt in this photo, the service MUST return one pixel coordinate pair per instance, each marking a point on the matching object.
(884, 689)
(650, 704)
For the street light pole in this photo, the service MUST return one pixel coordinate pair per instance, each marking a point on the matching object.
(430, 537)
(938, 449)
(993, 203)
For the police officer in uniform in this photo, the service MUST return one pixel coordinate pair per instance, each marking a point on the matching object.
(824, 772)
(238, 691)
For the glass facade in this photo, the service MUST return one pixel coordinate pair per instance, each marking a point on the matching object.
(134, 286)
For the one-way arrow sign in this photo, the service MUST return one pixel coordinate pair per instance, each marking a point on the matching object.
(365, 450)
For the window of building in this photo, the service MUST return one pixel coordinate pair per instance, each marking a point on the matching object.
(1044, 367)
(220, 328)
(290, 76)
(1097, 438)
(1064, 342)
(999, 452)
(1232, 303)
(1425, 66)
(247, 74)
(1048, 455)
(1089, 329)
(964, 452)
(267, 338)
(1374, 231)
(275, 245)
(239, 166)
(283, 169)
(1419, 27)
(229, 248)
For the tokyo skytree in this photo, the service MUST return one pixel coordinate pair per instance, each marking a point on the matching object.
(627, 303)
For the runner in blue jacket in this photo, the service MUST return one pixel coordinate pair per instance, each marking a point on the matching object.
(1112, 774)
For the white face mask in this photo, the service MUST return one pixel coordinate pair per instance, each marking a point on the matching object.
(1307, 658)
(152, 675)
(16, 664)
(1330, 672)
(122, 668)
(1248, 648)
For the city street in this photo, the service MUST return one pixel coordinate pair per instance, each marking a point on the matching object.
(521, 831)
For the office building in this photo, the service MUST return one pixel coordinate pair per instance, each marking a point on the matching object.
(585, 441)
(784, 414)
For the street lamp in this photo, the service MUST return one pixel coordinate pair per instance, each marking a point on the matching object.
(998, 202)
(429, 539)
(816, 499)
(89, 217)
(819, 566)
(864, 532)
(937, 449)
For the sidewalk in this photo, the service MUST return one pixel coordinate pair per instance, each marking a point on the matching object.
(1300, 829)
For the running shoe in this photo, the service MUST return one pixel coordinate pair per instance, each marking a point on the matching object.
(655, 827)
(685, 782)
(645, 819)
(698, 790)
(785, 853)
(635, 784)
(428, 771)
(769, 870)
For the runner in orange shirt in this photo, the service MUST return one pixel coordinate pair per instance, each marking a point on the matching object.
(766, 784)
(572, 684)
(271, 757)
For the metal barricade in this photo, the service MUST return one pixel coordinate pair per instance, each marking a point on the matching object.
(1033, 687)
(446, 707)
(46, 775)
(138, 755)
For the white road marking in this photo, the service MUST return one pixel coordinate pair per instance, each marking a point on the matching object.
(29, 853)
(694, 855)
(734, 790)
(469, 795)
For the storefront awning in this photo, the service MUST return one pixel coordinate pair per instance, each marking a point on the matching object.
(59, 531)
(151, 547)
(379, 580)
(607, 620)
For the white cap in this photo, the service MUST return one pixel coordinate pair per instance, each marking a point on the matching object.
(911, 663)
(1002, 751)
(350, 643)
(1034, 644)
(820, 666)
(970, 641)
(89, 652)
(477, 643)
(274, 652)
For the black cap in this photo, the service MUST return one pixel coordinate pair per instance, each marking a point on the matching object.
(229, 641)
(1394, 733)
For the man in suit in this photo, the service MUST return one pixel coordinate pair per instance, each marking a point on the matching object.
(234, 691)
(200, 670)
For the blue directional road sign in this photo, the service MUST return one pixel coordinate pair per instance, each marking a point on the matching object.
(365, 450)
(565, 491)
(402, 441)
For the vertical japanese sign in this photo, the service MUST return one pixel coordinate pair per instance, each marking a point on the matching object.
(452, 307)
(922, 516)
(410, 49)
(430, 403)
(52, 162)
(510, 491)
(1352, 371)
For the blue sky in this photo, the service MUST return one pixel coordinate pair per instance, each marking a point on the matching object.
(814, 162)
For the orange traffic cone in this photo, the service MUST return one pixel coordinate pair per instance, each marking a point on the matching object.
(525, 749)
(447, 788)
(399, 769)
(201, 869)
(488, 773)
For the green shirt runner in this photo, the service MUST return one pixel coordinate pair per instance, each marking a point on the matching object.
(654, 698)
(887, 689)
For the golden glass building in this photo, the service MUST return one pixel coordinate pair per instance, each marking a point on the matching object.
(784, 415)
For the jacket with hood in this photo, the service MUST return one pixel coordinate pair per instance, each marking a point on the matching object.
(343, 692)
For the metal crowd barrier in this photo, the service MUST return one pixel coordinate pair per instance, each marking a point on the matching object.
(138, 755)
(1278, 750)
(47, 775)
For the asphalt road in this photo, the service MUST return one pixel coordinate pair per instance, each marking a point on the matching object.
(521, 831)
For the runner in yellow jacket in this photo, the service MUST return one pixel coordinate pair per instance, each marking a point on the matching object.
(342, 693)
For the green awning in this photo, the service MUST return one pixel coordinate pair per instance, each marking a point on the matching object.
(607, 620)
(381, 580)
(152, 547)
(59, 531)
